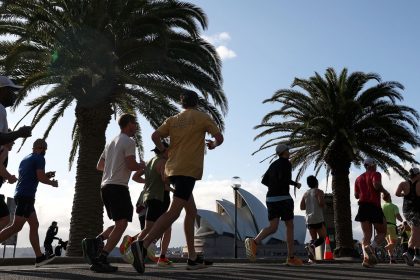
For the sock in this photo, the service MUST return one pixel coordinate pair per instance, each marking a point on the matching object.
(319, 242)
(162, 256)
(411, 251)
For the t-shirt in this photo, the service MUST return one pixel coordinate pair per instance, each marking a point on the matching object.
(390, 211)
(3, 119)
(28, 181)
(364, 187)
(186, 152)
(116, 171)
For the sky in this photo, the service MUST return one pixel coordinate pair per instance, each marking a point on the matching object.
(264, 45)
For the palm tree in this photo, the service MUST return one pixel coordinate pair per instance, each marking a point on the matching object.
(337, 121)
(104, 57)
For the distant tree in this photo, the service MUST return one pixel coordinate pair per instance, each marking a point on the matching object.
(337, 121)
(106, 57)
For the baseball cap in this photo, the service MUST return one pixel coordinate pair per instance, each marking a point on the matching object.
(6, 82)
(369, 161)
(414, 171)
(281, 148)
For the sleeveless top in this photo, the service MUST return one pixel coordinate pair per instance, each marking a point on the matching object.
(411, 200)
(154, 186)
(314, 213)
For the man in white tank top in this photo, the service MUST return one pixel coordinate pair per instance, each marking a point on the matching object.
(313, 202)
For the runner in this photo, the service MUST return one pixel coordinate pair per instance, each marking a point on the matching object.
(391, 214)
(278, 179)
(5, 176)
(410, 190)
(117, 162)
(31, 172)
(313, 202)
(187, 131)
(405, 233)
(368, 188)
(7, 99)
(156, 199)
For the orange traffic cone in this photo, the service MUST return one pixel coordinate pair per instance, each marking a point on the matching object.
(328, 255)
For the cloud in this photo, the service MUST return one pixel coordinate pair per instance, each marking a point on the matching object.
(220, 41)
(225, 53)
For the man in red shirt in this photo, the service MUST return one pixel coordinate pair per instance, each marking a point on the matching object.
(367, 189)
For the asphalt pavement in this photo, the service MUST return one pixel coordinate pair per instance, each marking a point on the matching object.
(231, 271)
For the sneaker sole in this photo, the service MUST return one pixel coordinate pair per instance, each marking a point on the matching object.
(408, 261)
(97, 270)
(367, 265)
(138, 262)
(86, 253)
(44, 262)
(248, 249)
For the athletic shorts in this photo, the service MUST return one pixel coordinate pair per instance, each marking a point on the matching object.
(183, 185)
(391, 232)
(25, 206)
(315, 226)
(281, 209)
(371, 213)
(156, 208)
(117, 202)
(4, 210)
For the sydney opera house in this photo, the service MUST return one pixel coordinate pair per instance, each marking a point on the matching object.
(215, 230)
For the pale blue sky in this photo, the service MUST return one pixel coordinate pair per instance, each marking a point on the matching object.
(264, 46)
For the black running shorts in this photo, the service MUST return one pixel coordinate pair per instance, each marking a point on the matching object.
(369, 212)
(25, 206)
(315, 226)
(156, 208)
(183, 185)
(4, 210)
(117, 202)
(281, 209)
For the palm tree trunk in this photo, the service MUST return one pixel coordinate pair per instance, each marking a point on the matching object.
(342, 211)
(87, 211)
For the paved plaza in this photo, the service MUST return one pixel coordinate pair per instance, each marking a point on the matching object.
(231, 271)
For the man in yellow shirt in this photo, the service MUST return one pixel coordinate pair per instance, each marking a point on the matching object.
(187, 131)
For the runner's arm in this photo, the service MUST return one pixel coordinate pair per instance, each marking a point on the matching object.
(400, 190)
(137, 177)
(101, 164)
(3, 171)
(399, 218)
(132, 164)
(218, 140)
(302, 203)
(42, 177)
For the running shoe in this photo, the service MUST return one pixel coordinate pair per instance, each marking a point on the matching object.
(101, 265)
(139, 254)
(371, 256)
(295, 261)
(310, 248)
(89, 249)
(366, 263)
(416, 259)
(164, 262)
(43, 260)
(198, 263)
(151, 253)
(125, 243)
(251, 249)
(408, 258)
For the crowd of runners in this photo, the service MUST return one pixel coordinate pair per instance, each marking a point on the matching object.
(178, 163)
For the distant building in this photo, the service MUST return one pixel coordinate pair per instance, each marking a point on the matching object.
(215, 230)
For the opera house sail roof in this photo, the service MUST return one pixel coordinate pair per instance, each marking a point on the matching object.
(251, 219)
